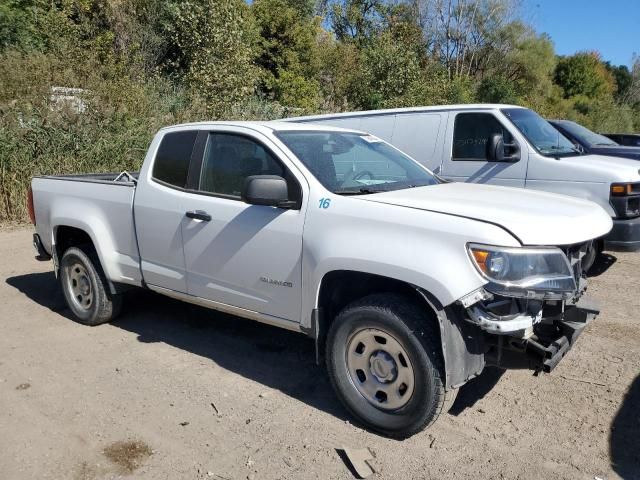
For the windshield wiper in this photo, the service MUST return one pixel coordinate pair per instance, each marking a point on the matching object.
(556, 150)
(358, 191)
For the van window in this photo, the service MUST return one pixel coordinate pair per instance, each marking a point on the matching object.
(229, 159)
(172, 160)
(471, 134)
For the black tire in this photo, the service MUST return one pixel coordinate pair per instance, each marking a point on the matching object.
(85, 288)
(591, 257)
(416, 331)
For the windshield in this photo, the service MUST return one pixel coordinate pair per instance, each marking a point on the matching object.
(354, 163)
(542, 135)
(585, 135)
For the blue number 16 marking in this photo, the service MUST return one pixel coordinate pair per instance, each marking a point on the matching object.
(324, 203)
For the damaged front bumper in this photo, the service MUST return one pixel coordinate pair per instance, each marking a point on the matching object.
(531, 334)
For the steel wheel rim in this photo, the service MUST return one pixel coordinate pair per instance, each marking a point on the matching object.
(380, 369)
(79, 286)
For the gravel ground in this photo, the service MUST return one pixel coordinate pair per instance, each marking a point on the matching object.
(171, 391)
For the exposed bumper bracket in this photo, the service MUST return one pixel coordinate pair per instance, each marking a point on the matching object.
(550, 342)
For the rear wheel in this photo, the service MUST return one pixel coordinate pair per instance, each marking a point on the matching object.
(385, 363)
(84, 288)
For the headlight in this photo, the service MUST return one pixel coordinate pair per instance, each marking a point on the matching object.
(524, 272)
(625, 199)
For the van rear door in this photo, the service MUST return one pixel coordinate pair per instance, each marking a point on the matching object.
(466, 155)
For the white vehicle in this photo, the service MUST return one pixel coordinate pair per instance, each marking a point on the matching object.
(512, 146)
(409, 287)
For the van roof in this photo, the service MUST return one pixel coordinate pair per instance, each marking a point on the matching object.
(435, 108)
(272, 125)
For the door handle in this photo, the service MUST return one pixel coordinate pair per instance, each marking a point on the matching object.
(199, 215)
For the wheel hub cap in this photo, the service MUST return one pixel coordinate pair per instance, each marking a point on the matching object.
(79, 286)
(380, 369)
(383, 367)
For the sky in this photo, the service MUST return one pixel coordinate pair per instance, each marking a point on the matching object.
(611, 27)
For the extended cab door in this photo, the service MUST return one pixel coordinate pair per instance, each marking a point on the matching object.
(159, 209)
(246, 256)
(466, 152)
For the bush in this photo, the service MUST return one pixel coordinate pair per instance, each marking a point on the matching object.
(37, 137)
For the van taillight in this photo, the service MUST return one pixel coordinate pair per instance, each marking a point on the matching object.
(32, 213)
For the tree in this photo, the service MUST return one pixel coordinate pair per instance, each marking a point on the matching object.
(462, 33)
(17, 25)
(622, 77)
(356, 21)
(497, 89)
(288, 52)
(215, 41)
(583, 74)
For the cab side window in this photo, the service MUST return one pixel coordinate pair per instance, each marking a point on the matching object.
(471, 135)
(229, 159)
(171, 164)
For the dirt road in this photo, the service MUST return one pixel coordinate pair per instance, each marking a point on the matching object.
(171, 391)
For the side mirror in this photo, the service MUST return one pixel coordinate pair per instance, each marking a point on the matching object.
(498, 151)
(269, 190)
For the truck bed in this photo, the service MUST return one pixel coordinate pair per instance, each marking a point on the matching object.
(100, 204)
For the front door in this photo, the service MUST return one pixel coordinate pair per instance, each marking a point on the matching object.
(247, 256)
(466, 158)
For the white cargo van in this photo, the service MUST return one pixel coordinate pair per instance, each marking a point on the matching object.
(507, 145)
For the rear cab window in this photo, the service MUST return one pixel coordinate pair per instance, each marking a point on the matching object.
(171, 165)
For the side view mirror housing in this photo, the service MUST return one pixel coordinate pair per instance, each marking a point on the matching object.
(498, 151)
(268, 190)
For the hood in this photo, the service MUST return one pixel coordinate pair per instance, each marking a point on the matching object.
(617, 151)
(533, 217)
(616, 168)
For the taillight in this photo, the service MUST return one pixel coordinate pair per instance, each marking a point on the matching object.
(32, 213)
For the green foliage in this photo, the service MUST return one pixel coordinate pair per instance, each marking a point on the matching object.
(143, 64)
(358, 21)
(622, 77)
(389, 75)
(583, 74)
(497, 89)
(288, 53)
(16, 25)
(215, 40)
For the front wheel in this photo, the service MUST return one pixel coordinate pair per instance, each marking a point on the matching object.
(385, 363)
(84, 288)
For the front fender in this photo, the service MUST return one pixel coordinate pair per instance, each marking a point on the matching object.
(421, 248)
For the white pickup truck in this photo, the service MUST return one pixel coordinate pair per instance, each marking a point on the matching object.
(409, 285)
